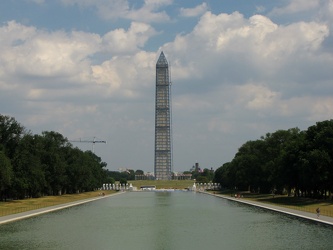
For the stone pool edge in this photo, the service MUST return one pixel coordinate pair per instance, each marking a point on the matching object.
(305, 215)
(31, 213)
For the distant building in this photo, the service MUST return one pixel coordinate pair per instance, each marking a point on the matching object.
(181, 176)
(196, 168)
(145, 176)
(163, 146)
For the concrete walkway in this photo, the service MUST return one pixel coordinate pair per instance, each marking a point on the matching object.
(31, 213)
(306, 215)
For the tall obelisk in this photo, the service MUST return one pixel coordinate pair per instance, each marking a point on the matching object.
(163, 146)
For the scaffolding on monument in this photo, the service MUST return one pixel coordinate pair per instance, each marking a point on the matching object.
(163, 145)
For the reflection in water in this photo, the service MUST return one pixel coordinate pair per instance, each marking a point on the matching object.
(161, 215)
(164, 220)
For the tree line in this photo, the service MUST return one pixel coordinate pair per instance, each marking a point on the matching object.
(289, 161)
(34, 165)
(123, 176)
(201, 176)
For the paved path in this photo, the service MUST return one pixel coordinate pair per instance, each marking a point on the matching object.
(306, 215)
(19, 216)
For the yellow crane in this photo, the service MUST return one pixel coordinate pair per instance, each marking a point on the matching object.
(90, 141)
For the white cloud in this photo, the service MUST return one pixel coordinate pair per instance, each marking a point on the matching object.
(147, 15)
(33, 52)
(233, 78)
(120, 40)
(221, 45)
(196, 11)
(256, 97)
(37, 1)
(53, 76)
(321, 109)
(326, 12)
(296, 6)
(126, 76)
(251, 70)
(114, 9)
(36, 53)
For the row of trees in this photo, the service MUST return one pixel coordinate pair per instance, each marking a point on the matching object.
(47, 164)
(284, 161)
(201, 176)
(123, 176)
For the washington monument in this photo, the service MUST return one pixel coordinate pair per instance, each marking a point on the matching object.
(163, 146)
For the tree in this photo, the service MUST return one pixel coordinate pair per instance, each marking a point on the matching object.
(248, 168)
(268, 164)
(202, 179)
(123, 181)
(319, 142)
(29, 173)
(6, 174)
(319, 162)
(290, 170)
(110, 180)
(221, 175)
(208, 174)
(75, 170)
(47, 164)
(10, 134)
(139, 172)
(131, 174)
(128, 175)
(53, 161)
(97, 171)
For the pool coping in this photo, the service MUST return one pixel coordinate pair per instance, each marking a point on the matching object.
(36, 212)
(305, 215)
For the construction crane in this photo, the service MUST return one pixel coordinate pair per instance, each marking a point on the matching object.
(90, 141)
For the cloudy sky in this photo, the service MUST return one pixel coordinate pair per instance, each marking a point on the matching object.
(240, 69)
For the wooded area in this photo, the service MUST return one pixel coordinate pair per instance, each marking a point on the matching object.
(295, 162)
(47, 164)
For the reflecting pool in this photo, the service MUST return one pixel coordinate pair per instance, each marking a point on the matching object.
(165, 220)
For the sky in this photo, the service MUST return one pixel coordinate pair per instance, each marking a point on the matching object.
(239, 69)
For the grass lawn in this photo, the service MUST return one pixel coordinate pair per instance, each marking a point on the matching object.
(297, 203)
(19, 206)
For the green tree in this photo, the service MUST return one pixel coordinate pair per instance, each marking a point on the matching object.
(139, 172)
(319, 144)
(97, 171)
(10, 134)
(280, 163)
(202, 179)
(248, 168)
(123, 181)
(109, 180)
(53, 160)
(47, 164)
(222, 176)
(6, 174)
(75, 170)
(29, 173)
(291, 163)
(208, 173)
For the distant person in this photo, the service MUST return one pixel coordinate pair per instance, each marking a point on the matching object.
(318, 212)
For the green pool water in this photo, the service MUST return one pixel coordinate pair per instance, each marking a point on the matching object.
(165, 220)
